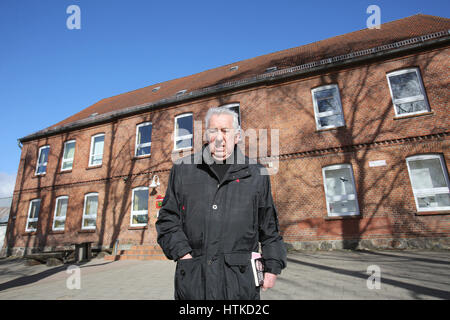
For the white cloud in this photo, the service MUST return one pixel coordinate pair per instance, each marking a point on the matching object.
(7, 182)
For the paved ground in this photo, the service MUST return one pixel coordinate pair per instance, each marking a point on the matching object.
(309, 275)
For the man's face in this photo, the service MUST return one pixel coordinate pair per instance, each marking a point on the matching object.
(221, 135)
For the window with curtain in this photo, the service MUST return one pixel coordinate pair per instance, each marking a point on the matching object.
(33, 215)
(68, 155)
(41, 166)
(429, 181)
(96, 155)
(183, 131)
(139, 207)
(90, 211)
(59, 219)
(143, 139)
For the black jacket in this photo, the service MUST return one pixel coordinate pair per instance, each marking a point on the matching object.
(220, 223)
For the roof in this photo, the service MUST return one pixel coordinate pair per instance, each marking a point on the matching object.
(4, 214)
(398, 30)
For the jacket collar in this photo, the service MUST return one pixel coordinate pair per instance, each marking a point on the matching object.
(239, 162)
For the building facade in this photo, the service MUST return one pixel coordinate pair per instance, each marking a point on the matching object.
(362, 125)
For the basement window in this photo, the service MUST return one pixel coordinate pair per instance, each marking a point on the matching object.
(139, 207)
(33, 215)
(59, 218)
(327, 107)
(340, 191)
(429, 181)
(407, 92)
(143, 139)
(41, 166)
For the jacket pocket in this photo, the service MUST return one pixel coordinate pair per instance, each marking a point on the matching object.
(188, 280)
(239, 276)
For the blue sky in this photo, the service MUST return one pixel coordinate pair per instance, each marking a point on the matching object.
(48, 72)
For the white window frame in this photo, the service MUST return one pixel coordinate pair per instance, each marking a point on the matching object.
(319, 115)
(185, 137)
(91, 153)
(69, 159)
(142, 145)
(42, 164)
(32, 219)
(409, 99)
(429, 191)
(60, 218)
(340, 197)
(91, 216)
(138, 212)
(231, 105)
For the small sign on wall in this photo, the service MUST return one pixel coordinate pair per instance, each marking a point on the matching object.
(377, 163)
(159, 201)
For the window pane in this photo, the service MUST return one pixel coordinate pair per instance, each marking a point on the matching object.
(339, 182)
(34, 212)
(143, 151)
(184, 126)
(413, 106)
(97, 159)
(89, 222)
(91, 205)
(59, 224)
(186, 143)
(438, 200)
(343, 206)
(69, 150)
(67, 165)
(140, 219)
(41, 169)
(236, 109)
(43, 157)
(405, 85)
(98, 145)
(427, 174)
(335, 120)
(140, 200)
(61, 207)
(327, 105)
(325, 93)
(32, 225)
(144, 134)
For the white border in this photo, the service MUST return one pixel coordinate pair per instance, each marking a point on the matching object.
(68, 160)
(409, 99)
(139, 212)
(89, 216)
(142, 145)
(432, 191)
(343, 197)
(60, 218)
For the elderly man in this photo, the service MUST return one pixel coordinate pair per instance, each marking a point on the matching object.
(215, 213)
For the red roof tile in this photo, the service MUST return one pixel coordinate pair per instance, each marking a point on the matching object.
(390, 32)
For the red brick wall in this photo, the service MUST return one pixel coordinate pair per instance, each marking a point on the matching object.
(384, 193)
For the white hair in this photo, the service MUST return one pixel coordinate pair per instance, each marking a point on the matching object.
(222, 110)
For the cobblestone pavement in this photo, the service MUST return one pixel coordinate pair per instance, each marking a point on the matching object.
(309, 275)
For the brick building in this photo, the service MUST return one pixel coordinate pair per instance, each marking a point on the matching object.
(363, 124)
